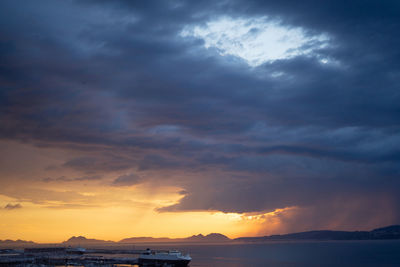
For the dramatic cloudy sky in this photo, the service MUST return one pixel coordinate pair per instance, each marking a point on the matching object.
(171, 118)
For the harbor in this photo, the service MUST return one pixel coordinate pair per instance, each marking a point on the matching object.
(67, 256)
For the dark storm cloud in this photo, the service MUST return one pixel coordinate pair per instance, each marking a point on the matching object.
(94, 164)
(127, 180)
(75, 179)
(116, 82)
(10, 206)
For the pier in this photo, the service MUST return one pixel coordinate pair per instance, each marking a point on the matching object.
(58, 256)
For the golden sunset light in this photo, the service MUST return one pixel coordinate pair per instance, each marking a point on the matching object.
(148, 133)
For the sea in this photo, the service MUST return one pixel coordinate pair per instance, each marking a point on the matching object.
(294, 254)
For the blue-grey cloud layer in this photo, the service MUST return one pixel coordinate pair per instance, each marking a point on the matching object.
(116, 81)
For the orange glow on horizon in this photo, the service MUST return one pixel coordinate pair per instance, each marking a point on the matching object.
(45, 224)
(55, 211)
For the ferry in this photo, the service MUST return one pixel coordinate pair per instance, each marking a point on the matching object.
(171, 257)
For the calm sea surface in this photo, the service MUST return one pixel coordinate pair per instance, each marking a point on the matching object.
(283, 254)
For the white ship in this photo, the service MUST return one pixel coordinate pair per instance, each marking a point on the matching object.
(172, 257)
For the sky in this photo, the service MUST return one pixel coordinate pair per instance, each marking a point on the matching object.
(173, 118)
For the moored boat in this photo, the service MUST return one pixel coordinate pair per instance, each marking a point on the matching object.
(172, 257)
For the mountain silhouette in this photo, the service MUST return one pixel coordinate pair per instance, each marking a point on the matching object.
(389, 232)
(81, 240)
(213, 237)
(15, 243)
(210, 238)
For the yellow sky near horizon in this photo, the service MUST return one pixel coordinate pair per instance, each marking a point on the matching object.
(56, 210)
(47, 225)
(60, 202)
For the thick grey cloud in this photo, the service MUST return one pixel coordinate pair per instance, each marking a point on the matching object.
(116, 82)
(75, 179)
(127, 180)
(10, 206)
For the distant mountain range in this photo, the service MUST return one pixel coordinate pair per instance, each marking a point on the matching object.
(78, 240)
(13, 243)
(390, 232)
(211, 238)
